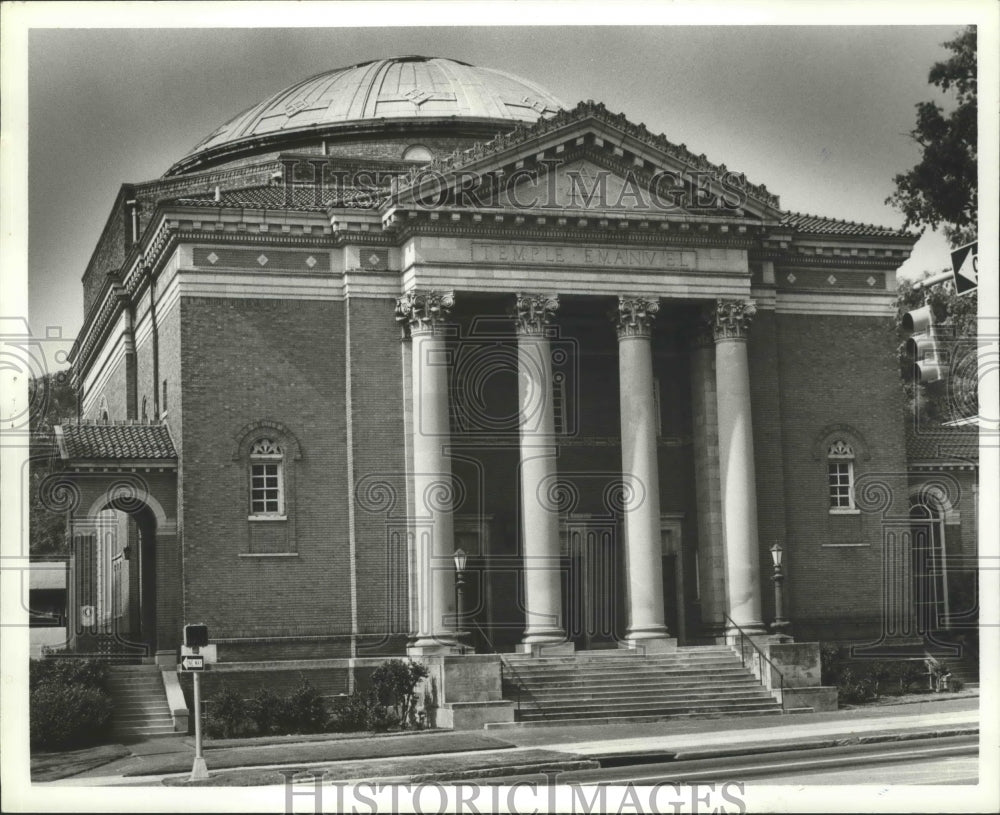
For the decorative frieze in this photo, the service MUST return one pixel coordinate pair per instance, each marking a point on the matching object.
(532, 312)
(635, 316)
(424, 310)
(731, 319)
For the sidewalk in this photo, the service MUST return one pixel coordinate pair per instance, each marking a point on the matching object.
(444, 755)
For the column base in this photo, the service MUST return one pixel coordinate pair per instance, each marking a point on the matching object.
(545, 636)
(650, 645)
(436, 646)
(752, 629)
(546, 649)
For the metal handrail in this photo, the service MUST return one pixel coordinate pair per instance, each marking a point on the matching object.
(744, 637)
(506, 666)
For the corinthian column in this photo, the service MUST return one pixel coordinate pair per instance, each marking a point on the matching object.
(731, 324)
(425, 313)
(639, 470)
(539, 517)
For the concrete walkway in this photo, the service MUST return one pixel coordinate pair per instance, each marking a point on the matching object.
(721, 736)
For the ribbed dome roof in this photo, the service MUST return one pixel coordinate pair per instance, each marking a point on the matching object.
(404, 88)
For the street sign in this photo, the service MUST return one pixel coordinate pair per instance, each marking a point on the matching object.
(208, 652)
(965, 262)
(190, 662)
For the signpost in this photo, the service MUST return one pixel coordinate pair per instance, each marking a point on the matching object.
(965, 262)
(196, 638)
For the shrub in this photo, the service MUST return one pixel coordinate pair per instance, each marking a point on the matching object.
(305, 709)
(69, 705)
(88, 673)
(956, 684)
(228, 716)
(831, 663)
(65, 716)
(394, 683)
(267, 710)
(903, 675)
(362, 710)
(855, 689)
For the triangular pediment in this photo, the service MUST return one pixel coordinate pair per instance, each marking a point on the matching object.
(586, 160)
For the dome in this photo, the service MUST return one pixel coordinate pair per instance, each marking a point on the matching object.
(383, 92)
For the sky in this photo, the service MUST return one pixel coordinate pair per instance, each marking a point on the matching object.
(819, 114)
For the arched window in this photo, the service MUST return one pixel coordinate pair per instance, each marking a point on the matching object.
(417, 152)
(267, 477)
(840, 476)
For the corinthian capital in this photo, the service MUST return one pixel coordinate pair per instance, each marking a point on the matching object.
(424, 310)
(532, 312)
(635, 316)
(731, 319)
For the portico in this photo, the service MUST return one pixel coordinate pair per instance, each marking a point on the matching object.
(528, 575)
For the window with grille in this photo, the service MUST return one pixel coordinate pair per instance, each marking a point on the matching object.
(840, 478)
(266, 477)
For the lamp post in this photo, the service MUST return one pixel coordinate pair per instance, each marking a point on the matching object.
(460, 561)
(780, 623)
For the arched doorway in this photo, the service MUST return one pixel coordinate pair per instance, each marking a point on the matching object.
(929, 567)
(113, 563)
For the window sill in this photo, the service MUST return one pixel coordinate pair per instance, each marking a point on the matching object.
(269, 554)
(267, 517)
(845, 511)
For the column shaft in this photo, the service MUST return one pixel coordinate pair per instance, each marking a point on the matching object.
(640, 471)
(539, 516)
(736, 461)
(708, 489)
(433, 491)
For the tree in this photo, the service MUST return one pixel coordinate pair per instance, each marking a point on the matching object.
(52, 398)
(941, 189)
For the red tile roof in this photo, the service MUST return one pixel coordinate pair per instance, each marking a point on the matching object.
(302, 197)
(942, 444)
(818, 225)
(129, 442)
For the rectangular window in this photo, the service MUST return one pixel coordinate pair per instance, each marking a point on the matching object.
(265, 489)
(841, 478)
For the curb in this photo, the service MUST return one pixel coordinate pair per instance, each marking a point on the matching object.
(783, 746)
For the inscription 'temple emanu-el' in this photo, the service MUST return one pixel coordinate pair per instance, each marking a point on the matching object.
(581, 256)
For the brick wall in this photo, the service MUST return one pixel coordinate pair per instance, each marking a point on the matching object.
(765, 388)
(375, 421)
(245, 361)
(837, 370)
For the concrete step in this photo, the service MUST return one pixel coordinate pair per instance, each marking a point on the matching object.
(645, 693)
(652, 712)
(612, 657)
(670, 702)
(142, 718)
(589, 668)
(702, 675)
(619, 661)
(143, 732)
(641, 719)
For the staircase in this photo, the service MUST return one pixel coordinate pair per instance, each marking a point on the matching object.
(965, 668)
(141, 709)
(622, 686)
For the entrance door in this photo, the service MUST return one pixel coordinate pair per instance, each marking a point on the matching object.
(930, 586)
(595, 603)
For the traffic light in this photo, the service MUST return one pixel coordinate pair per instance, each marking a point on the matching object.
(926, 356)
(196, 635)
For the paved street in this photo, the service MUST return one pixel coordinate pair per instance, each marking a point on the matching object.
(841, 745)
(949, 760)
